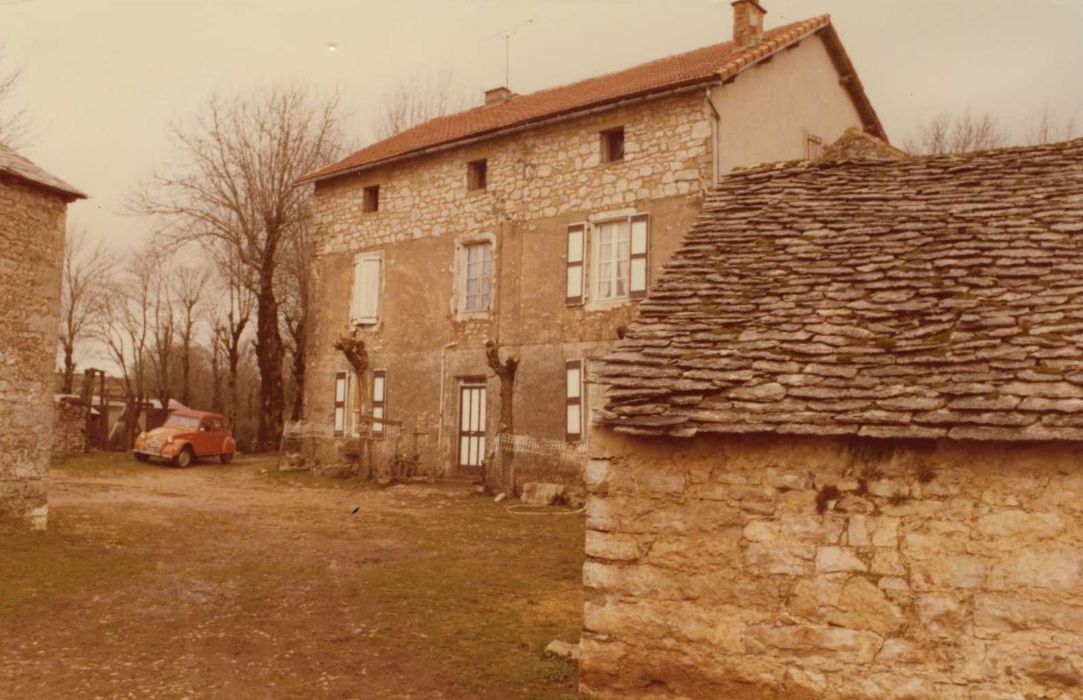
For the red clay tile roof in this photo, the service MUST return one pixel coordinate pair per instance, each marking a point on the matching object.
(922, 297)
(15, 165)
(708, 64)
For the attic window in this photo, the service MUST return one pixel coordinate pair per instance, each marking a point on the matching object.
(370, 198)
(613, 144)
(476, 174)
(814, 147)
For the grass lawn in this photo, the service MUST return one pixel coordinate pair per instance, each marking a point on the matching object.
(217, 579)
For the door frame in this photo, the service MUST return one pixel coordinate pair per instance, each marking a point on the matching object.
(471, 384)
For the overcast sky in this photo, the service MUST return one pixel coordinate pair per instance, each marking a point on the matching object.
(104, 79)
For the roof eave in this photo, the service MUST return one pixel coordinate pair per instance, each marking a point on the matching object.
(68, 194)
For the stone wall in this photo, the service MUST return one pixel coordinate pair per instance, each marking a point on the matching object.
(539, 182)
(808, 567)
(31, 252)
(69, 432)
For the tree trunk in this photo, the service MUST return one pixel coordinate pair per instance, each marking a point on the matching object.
(505, 371)
(269, 359)
(298, 368)
(186, 368)
(69, 368)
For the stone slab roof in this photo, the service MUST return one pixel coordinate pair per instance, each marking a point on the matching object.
(710, 64)
(925, 297)
(15, 165)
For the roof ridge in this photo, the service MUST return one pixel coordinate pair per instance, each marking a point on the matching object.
(441, 131)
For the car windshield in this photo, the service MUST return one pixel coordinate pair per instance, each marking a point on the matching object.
(183, 422)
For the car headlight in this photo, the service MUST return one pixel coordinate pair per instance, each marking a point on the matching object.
(169, 440)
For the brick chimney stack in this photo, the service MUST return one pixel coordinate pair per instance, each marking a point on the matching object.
(747, 23)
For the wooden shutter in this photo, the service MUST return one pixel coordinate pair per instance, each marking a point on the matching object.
(340, 404)
(365, 299)
(379, 399)
(638, 256)
(577, 235)
(573, 375)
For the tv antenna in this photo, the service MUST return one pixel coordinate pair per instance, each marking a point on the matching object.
(507, 34)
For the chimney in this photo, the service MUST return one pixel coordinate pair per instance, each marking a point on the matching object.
(747, 23)
(498, 96)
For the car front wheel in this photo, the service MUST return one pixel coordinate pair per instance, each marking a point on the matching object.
(184, 459)
(140, 457)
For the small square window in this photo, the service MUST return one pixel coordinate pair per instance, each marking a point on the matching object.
(613, 144)
(476, 174)
(370, 198)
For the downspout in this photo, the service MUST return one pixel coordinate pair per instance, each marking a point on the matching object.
(440, 422)
(716, 137)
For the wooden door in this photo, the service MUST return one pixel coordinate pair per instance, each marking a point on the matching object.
(471, 425)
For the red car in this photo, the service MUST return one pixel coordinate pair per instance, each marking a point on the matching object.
(188, 435)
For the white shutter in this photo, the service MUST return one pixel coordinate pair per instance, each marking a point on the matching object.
(637, 259)
(576, 248)
(365, 299)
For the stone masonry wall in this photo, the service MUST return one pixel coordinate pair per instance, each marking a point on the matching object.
(809, 567)
(539, 182)
(31, 252)
(69, 431)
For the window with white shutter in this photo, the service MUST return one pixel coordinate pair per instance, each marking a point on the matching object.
(365, 298)
(379, 400)
(576, 254)
(637, 261)
(340, 403)
(573, 373)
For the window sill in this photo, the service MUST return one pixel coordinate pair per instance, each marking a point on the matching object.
(473, 315)
(607, 304)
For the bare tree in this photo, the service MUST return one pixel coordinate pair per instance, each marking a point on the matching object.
(415, 101)
(13, 119)
(163, 331)
(236, 189)
(188, 289)
(82, 283)
(1048, 127)
(124, 327)
(233, 316)
(960, 133)
(295, 294)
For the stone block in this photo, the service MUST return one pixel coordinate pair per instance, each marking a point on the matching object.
(613, 547)
(829, 559)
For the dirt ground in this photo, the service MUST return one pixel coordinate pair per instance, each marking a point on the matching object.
(242, 582)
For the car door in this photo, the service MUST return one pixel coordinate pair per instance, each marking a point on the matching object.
(203, 440)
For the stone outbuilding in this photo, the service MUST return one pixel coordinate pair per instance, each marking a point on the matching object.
(33, 208)
(840, 455)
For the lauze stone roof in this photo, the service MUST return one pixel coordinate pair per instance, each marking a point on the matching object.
(15, 165)
(915, 298)
(707, 65)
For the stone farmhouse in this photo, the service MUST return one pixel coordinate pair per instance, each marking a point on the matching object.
(841, 455)
(537, 222)
(33, 207)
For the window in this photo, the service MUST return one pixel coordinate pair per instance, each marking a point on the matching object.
(476, 172)
(611, 260)
(814, 147)
(573, 373)
(477, 277)
(340, 403)
(365, 297)
(370, 198)
(379, 399)
(613, 144)
(619, 260)
(576, 257)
